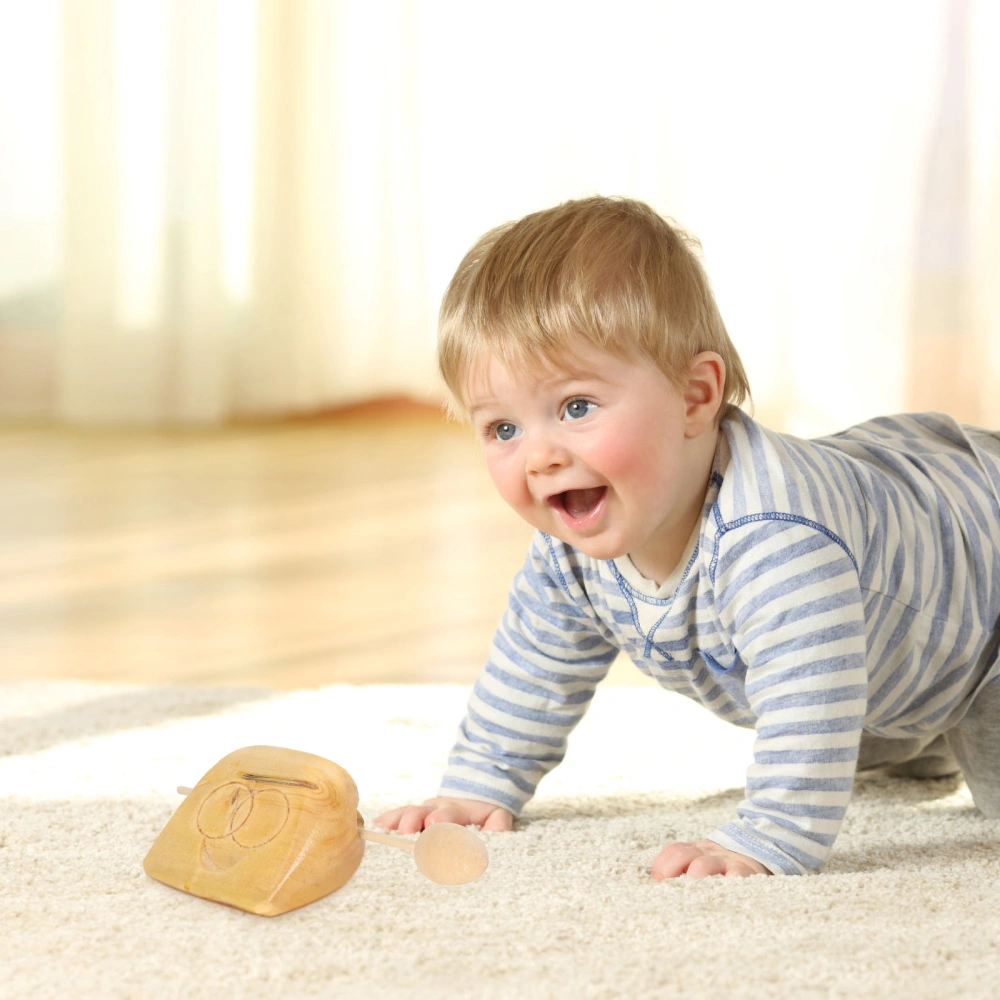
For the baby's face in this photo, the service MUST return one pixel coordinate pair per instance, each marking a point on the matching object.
(596, 454)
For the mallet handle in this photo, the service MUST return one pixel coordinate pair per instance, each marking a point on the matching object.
(388, 838)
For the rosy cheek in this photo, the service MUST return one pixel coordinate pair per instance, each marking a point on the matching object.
(632, 460)
(619, 456)
(506, 478)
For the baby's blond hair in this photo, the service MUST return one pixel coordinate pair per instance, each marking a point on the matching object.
(609, 270)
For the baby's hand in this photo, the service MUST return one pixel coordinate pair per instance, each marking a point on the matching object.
(704, 857)
(464, 812)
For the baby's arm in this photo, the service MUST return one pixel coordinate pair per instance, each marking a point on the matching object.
(546, 660)
(790, 597)
(464, 812)
(547, 657)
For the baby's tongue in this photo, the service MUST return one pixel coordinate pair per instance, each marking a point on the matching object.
(579, 502)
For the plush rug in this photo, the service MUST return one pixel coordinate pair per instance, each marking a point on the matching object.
(908, 906)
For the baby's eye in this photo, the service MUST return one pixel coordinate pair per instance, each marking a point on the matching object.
(577, 408)
(505, 430)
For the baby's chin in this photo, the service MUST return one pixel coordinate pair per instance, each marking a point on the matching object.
(596, 548)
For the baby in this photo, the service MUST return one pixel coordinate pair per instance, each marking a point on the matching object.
(839, 595)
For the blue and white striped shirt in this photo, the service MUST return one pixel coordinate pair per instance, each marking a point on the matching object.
(845, 583)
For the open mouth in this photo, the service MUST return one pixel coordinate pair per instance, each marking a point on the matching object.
(579, 505)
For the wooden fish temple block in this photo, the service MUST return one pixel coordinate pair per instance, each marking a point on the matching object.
(266, 830)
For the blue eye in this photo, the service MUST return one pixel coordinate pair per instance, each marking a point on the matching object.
(506, 430)
(577, 408)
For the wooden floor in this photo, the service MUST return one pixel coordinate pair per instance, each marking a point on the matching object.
(367, 547)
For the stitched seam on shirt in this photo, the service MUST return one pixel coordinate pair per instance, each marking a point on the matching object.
(555, 561)
(920, 613)
(627, 594)
(648, 598)
(715, 663)
(649, 638)
(777, 516)
(719, 524)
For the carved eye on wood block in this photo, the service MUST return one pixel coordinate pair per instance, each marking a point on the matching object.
(267, 830)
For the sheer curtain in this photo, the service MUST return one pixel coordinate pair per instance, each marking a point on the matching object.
(223, 208)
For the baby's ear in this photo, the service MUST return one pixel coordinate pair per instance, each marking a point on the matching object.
(703, 391)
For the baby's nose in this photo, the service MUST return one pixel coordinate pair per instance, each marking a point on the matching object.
(544, 454)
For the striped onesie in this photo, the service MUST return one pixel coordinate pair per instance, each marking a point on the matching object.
(836, 585)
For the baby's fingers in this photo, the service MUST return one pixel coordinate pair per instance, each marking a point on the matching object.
(414, 818)
(464, 812)
(405, 819)
(674, 860)
(702, 859)
(472, 812)
(706, 865)
(499, 819)
(390, 820)
(448, 814)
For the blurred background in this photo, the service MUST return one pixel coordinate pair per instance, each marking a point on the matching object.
(225, 226)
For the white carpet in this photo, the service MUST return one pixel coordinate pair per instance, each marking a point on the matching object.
(909, 905)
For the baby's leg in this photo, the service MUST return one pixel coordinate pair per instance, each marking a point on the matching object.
(917, 757)
(975, 741)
